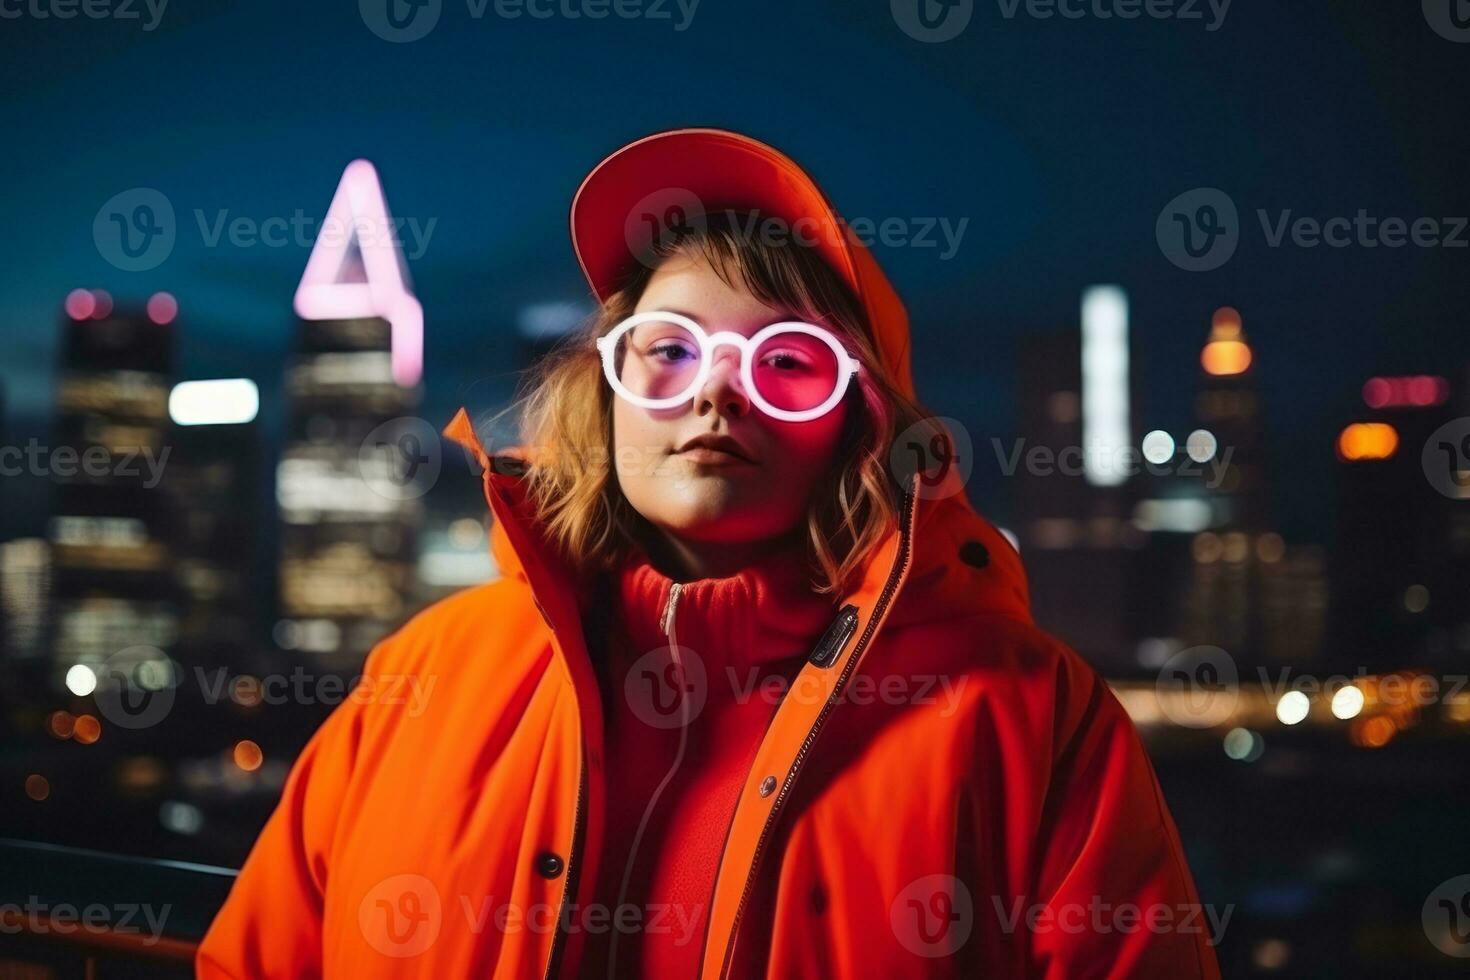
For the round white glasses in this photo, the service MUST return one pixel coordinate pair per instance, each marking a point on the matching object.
(792, 371)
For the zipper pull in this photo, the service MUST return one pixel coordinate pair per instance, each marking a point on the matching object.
(666, 623)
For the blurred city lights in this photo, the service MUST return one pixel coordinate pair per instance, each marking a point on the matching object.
(223, 401)
(1225, 353)
(1158, 446)
(60, 724)
(1416, 598)
(1244, 745)
(247, 755)
(162, 308)
(1105, 425)
(1416, 391)
(181, 818)
(1347, 703)
(1374, 732)
(1367, 440)
(1224, 357)
(1270, 547)
(81, 680)
(87, 730)
(1293, 708)
(37, 787)
(102, 307)
(80, 303)
(1184, 515)
(1201, 445)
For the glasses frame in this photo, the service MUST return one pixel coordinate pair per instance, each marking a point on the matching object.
(847, 366)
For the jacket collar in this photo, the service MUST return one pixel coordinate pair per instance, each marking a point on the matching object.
(951, 543)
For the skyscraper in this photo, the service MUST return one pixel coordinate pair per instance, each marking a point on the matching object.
(112, 577)
(1074, 484)
(1249, 592)
(1402, 564)
(356, 463)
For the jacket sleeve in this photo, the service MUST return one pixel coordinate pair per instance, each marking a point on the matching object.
(271, 923)
(1116, 896)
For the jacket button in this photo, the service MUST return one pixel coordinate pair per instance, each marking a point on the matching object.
(974, 553)
(549, 865)
(768, 786)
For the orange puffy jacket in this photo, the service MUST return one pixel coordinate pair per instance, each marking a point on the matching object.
(945, 790)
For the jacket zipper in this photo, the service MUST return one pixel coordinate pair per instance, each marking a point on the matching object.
(666, 624)
(886, 596)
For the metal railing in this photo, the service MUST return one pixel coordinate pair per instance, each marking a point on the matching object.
(71, 912)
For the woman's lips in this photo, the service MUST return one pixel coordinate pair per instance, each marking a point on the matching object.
(712, 457)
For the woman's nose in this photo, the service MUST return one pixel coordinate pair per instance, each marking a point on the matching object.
(723, 387)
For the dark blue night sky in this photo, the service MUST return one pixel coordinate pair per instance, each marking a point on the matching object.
(1059, 140)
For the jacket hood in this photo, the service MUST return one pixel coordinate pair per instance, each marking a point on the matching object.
(959, 564)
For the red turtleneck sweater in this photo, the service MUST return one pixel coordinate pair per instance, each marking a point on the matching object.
(669, 805)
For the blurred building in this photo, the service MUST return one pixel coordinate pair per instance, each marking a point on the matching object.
(1073, 490)
(356, 465)
(347, 550)
(1249, 592)
(25, 590)
(112, 586)
(1402, 563)
(213, 485)
(1171, 544)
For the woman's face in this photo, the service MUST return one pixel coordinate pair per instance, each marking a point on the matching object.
(699, 495)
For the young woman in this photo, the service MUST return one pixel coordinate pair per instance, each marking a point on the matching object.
(757, 694)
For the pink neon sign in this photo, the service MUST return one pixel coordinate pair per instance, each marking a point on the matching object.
(359, 213)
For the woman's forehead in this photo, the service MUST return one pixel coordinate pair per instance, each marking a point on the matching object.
(690, 287)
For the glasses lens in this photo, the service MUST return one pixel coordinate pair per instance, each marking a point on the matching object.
(658, 359)
(795, 371)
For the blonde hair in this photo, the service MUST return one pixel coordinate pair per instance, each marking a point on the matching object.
(565, 409)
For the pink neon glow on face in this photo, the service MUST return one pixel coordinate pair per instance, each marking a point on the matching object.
(359, 204)
(162, 308)
(80, 303)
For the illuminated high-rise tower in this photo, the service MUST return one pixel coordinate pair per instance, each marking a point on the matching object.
(1402, 564)
(1249, 592)
(1074, 485)
(349, 481)
(214, 487)
(1229, 432)
(112, 586)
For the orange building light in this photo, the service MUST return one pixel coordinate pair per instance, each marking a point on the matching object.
(1223, 357)
(1367, 440)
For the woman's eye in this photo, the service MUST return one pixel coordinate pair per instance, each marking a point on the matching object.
(783, 361)
(671, 351)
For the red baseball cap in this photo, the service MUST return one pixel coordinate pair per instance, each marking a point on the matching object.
(654, 184)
